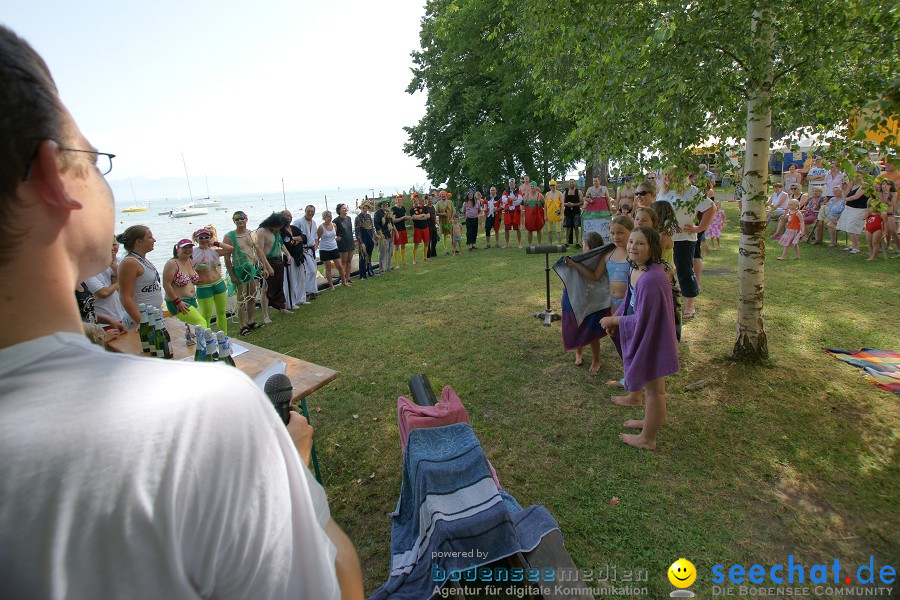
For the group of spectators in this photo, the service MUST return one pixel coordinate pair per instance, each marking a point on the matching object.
(809, 201)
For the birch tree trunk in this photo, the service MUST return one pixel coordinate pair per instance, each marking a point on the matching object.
(751, 344)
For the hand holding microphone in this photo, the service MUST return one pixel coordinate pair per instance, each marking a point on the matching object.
(280, 390)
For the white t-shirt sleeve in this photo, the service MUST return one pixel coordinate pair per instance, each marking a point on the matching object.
(95, 283)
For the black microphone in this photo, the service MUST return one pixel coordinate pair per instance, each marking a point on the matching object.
(545, 249)
(279, 389)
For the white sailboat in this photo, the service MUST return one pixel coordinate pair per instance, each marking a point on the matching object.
(188, 210)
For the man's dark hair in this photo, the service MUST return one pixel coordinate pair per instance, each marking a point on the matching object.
(30, 112)
(277, 220)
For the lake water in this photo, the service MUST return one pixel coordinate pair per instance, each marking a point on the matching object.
(168, 230)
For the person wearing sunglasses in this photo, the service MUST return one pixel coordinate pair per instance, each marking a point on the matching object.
(179, 475)
(212, 293)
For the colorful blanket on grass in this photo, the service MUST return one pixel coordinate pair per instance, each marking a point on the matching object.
(882, 367)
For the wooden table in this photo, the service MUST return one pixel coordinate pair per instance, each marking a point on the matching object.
(306, 377)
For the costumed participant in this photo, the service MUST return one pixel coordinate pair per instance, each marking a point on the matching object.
(365, 239)
(553, 209)
(492, 217)
(307, 226)
(401, 238)
(572, 203)
(139, 281)
(295, 269)
(432, 226)
(587, 332)
(419, 218)
(534, 212)
(445, 212)
(384, 234)
(596, 198)
(344, 229)
(643, 330)
(268, 237)
(511, 202)
(179, 280)
(212, 293)
(246, 269)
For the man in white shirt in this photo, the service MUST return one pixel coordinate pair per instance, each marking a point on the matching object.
(817, 172)
(105, 288)
(307, 225)
(124, 476)
(685, 240)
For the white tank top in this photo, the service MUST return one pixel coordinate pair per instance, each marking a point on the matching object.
(328, 241)
(147, 287)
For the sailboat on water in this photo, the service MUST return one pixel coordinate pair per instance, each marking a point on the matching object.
(192, 209)
(136, 207)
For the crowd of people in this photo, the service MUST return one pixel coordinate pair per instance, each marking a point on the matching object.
(834, 201)
(174, 466)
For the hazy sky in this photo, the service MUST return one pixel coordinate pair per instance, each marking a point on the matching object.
(310, 91)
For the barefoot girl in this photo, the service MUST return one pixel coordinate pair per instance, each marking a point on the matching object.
(589, 332)
(795, 230)
(643, 330)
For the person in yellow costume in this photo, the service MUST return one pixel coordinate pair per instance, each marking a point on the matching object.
(553, 206)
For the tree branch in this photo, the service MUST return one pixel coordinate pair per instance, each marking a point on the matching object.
(733, 57)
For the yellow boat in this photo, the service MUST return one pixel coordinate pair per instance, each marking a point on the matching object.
(134, 209)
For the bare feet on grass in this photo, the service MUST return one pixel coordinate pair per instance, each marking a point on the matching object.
(595, 367)
(579, 358)
(633, 424)
(629, 400)
(637, 441)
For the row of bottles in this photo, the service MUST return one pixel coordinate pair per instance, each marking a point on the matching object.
(155, 338)
(211, 348)
(156, 341)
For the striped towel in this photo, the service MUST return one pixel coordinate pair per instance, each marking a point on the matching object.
(882, 367)
(449, 504)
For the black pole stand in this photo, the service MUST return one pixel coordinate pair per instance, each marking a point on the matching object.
(547, 315)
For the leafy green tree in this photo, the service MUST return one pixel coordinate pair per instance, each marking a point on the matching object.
(484, 118)
(654, 78)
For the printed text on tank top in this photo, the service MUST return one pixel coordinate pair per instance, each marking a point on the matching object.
(155, 286)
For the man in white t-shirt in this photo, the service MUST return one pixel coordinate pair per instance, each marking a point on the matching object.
(686, 238)
(817, 172)
(105, 288)
(124, 476)
(307, 225)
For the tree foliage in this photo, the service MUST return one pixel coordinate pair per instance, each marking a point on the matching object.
(484, 118)
(664, 75)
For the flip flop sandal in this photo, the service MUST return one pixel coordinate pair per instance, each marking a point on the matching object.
(245, 330)
(255, 325)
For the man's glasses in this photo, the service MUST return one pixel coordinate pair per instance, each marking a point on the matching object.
(642, 194)
(102, 160)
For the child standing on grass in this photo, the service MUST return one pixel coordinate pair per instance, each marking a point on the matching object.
(834, 209)
(456, 234)
(796, 228)
(714, 232)
(575, 336)
(643, 330)
(875, 228)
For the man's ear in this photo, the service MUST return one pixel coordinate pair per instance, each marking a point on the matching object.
(46, 177)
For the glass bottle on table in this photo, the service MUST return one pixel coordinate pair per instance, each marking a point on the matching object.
(144, 328)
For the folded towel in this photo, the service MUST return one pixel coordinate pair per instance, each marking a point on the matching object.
(448, 411)
(451, 516)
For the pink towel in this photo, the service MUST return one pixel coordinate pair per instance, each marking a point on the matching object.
(448, 411)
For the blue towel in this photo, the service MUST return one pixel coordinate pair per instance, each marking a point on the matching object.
(449, 503)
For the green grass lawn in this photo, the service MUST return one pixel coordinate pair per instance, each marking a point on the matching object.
(793, 457)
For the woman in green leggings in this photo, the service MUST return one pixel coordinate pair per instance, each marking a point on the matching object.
(211, 289)
(179, 282)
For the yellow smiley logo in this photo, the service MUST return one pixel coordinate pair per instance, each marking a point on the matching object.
(682, 573)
